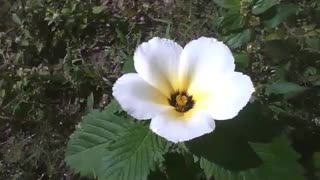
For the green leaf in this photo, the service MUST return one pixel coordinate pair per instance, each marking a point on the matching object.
(316, 160)
(210, 168)
(313, 43)
(288, 89)
(168, 30)
(24, 42)
(228, 4)
(232, 22)
(128, 66)
(228, 145)
(279, 49)
(2, 95)
(113, 107)
(121, 36)
(263, 5)
(16, 19)
(5, 7)
(283, 11)
(280, 160)
(255, 123)
(133, 155)
(105, 145)
(88, 144)
(279, 163)
(310, 71)
(97, 9)
(242, 59)
(239, 39)
(224, 148)
(275, 34)
(180, 165)
(90, 102)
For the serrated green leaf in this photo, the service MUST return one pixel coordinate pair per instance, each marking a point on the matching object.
(211, 169)
(88, 143)
(133, 155)
(283, 11)
(239, 39)
(263, 5)
(228, 4)
(109, 147)
(113, 107)
(279, 163)
(280, 160)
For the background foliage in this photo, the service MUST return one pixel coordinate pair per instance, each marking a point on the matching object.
(59, 59)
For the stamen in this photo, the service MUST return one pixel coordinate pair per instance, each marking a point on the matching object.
(181, 101)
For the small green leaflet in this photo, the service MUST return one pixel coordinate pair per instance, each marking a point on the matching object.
(16, 19)
(288, 89)
(263, 5)
(111, 147)
(228, 4)
(232, 22)
(242, 59)
(283, 12)
(279, 163)
(239, 39)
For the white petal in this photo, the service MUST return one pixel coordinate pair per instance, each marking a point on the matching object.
(205, 58)
(157, 62)
(178, 129)
(231, 94)
(137, 97)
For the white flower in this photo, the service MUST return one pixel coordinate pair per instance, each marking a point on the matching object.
(183, 90)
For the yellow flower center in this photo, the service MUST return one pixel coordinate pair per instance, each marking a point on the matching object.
(181, 101)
